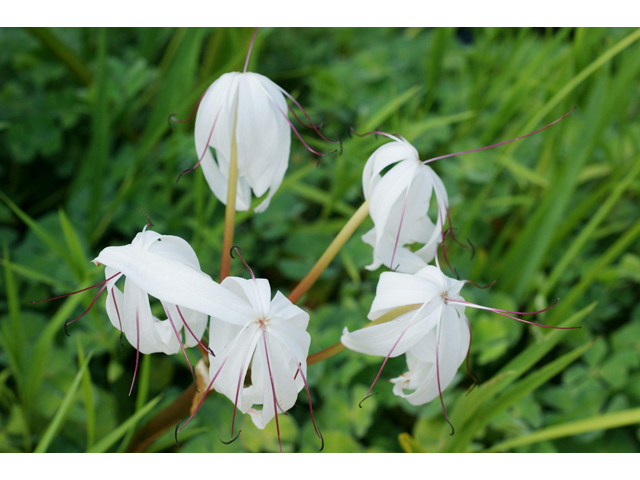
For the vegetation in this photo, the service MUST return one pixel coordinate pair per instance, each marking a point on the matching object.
(88, 151)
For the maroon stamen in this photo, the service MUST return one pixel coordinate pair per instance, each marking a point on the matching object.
(149, 224)
(173, 118)
(296, 131)
(113, 295)
(135, 371)
(193, 372)
(385, 362)
(78, 291)
(312, 126)
(475, 380)
(189, 170)
(235, 406)
(501, 143)
(444, 252)
(440, 392)
(69, 322)
(238, 250)
(206, 392)
(246, 63)
(273, 387)
(392, 136)
(502, 312)
(478, 286)
(404, 207)
(451, 229)
(192, 334)
(310, 407)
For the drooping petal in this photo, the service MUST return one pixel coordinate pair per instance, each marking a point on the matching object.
(386, 155)
(256, 293)
(278, 373)
(175, 282)
(141, 327)
(422, 375)
(400, 334)
(399, 289)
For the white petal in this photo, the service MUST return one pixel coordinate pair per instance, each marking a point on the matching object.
(399, 289)
(384, 156)
(175, 282)
(256, 293)
(278, 373)
(381, 339)
(141, 328)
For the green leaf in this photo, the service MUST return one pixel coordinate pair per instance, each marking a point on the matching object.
(109, 440)
(77, 256)
(467, 406)
(56, 423)
(599, 422)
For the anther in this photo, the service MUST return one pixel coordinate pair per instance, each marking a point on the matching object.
(149, 224)
(193, 373)
(370, 395)
(65, 327)
(232, 440)
(175, 433)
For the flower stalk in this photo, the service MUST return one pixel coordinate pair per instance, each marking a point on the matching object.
(230, 210)
(330, 253)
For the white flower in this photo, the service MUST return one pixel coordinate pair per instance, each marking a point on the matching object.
(399, 204)
(130, 312)
(436, 335)
(436, 323)
(255, 108)
(273, 342)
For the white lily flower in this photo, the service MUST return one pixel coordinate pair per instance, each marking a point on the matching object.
(399, 204)
(436, 336)
(253, 108)
(273, 342)
(130, 312)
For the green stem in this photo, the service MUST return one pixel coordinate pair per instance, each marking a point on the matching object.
(330, 253)
(230, 211)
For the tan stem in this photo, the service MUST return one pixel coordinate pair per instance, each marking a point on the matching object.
(230, 210)
(338, 347)
(330, 253)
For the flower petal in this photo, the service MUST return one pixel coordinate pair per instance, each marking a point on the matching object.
(175, 282)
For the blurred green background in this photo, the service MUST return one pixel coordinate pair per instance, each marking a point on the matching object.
(87, 150)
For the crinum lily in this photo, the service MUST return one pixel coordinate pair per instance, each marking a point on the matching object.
(436, 335)
(399, 204)
(271, 341)
(165, 267)
(244, 115)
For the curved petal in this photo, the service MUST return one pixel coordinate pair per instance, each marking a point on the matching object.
(279, 372)
(399, 289)
(175, 282)
(386, 155)
(380, 339)
(141, 328)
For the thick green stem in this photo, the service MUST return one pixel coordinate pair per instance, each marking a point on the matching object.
(330, 253)
(338, 347)
(230, 211)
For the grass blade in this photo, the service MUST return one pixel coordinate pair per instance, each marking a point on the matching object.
(514, 394)
(108, 441)
(600, 422)
(60, 415)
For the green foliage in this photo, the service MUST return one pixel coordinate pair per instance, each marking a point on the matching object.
(83, 124)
